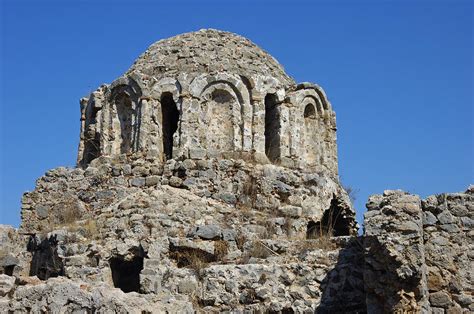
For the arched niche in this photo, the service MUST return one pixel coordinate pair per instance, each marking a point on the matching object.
(239, 105)
(272, 127)
(125, 119)
(222, 118)
(310, 136)
(169, 124)
(309, 89)
(221, 106)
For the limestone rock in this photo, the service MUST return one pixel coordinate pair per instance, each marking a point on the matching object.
(6, 284)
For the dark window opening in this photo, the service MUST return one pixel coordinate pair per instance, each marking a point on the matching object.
(333, 223)
(8, 270)
(313, 230)
(126, 274)
(170, 118)
(46, 262)
(91, 148)
(272, 128)
(309, 111)
(91, 136)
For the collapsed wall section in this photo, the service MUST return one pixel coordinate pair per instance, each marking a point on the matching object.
(448, 223)
(418, 254)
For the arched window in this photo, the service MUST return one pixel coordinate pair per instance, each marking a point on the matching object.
(310, 134)
(91, 136)
(309, 111)
(128, 125)
(272, 128)
(169, 124)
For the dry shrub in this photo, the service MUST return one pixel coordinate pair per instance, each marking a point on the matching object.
(259, 250)
(90, 229)
(69, 211)
(194, 259)
(270, 229)
(322, 243)
(221, 248)
(250, 189)
(318, 237)
(3, 253)
(248, 296)
(288, 226)
(176, 232)
(351, 192)
(240, 240)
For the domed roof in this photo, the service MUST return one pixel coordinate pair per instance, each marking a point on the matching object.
(208, 51)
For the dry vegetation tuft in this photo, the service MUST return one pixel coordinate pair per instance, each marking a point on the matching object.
(192, 259)
(221, 248)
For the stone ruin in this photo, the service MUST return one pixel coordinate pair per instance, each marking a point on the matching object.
(207, 181)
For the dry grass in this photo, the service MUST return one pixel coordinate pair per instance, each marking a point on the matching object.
(250, 189)
(240, 240)
(88, 229)
(176, 232)
(270, 229)
(288, 226)
(351, 192)
(194, 259)
(221, 248)
(323, 243)
(258, 250)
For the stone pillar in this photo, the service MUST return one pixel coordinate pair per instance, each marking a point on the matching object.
(394, 272)
(80, 154)
(258, 127)
(191, 126)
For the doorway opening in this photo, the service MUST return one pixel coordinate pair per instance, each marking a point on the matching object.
(170, 119)
(126, 273)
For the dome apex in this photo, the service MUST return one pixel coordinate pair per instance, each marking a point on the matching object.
(208, 51)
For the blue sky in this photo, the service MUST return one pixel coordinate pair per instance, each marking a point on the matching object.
(399, 75)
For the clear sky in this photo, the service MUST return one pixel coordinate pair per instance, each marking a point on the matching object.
(399, 75)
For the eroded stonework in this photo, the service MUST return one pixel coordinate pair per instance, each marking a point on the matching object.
(210, 94)
(207, 181)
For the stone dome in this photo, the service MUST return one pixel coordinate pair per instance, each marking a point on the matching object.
(208, 51)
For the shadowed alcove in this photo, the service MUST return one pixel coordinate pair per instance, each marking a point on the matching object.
(272, 128)
(170, 116)
(126, 273)
(334, 223)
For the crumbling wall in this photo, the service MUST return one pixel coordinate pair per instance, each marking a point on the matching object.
(394, 256)
(419, 253)
(448, 221)
(65, 195)
(224, 233)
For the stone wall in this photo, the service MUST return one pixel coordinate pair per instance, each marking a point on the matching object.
(449, 251)
(155, 239)
(394, 255)
(213, 234)
(64, 195)
(419, 253)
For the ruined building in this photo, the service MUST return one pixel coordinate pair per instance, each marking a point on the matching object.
(207, 180)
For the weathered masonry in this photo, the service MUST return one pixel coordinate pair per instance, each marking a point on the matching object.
(207, 182)
(191, 96)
